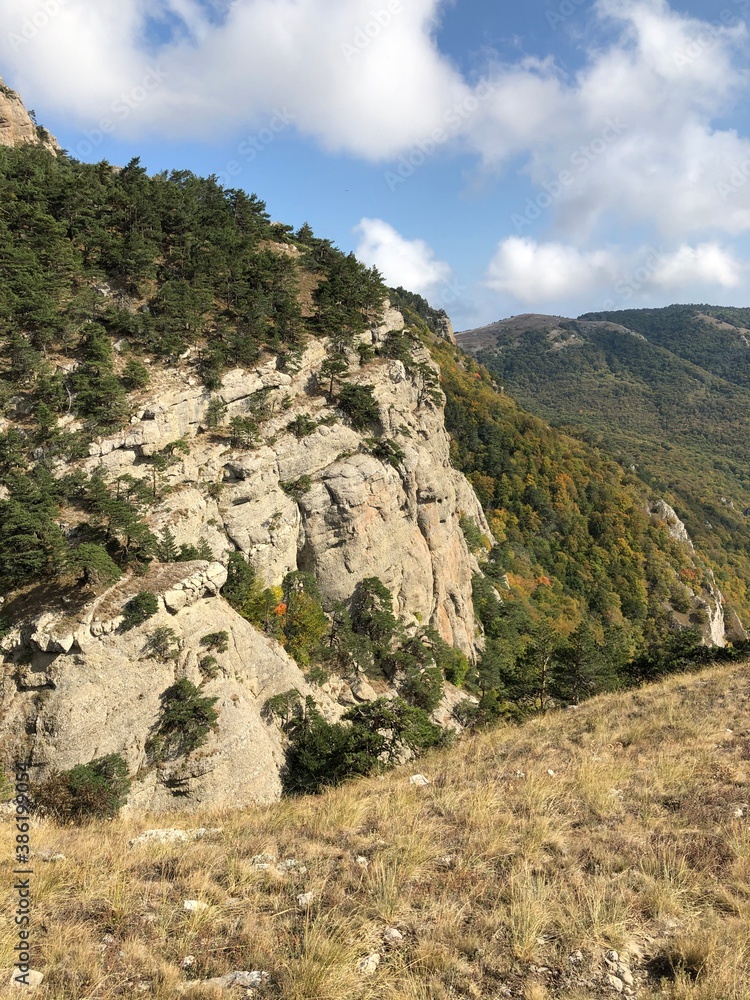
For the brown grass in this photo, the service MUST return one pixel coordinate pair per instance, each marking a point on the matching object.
(497, 874)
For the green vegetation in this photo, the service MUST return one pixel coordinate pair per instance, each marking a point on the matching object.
(186, 719)
(371, 737)
(171, 268)
(139, 609)
(671, 403)
(96, 790)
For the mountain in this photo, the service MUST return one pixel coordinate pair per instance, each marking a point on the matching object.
(264, 527)
(17, 127)
(663, 391)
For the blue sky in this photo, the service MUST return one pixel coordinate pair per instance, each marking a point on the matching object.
(552, 156)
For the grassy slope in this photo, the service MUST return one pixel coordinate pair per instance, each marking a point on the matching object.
(622, 824)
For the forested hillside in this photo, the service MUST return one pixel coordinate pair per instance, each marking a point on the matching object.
(107, 271)
(664, 392)
(119, 282)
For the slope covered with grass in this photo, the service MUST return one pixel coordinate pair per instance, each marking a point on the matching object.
(532, 854)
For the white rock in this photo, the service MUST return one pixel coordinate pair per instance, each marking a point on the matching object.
(625, 974)
(172, 835)
(28, 982)
(194, 905)
(419, 780)
(362, 861)
(392, 935)
(175, 600)
(369, 965)
(305, 900)
(616, 983)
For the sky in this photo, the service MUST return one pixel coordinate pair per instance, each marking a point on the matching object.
(498, 157)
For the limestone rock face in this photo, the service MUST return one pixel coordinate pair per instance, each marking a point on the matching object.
(707, 601)
(361, 516)
(445, 330)
(308, 493)
(16, 126)
(102, 695)
(661, 511)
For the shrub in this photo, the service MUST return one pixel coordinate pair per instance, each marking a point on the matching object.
(302, 425)
(369, 737)
(388, 451)
(185, 722)
(162, 644)
(96, 790)
(358, 403)
(423, 687)
(135, 375)
(475, 540)
(296, 488)
(215, 412)
(217, 642)
(139, 609)
(209, 667)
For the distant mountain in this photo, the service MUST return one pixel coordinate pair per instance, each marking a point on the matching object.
(664, 391)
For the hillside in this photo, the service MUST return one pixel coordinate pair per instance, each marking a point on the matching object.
(261, 530)
(665, 392)
(532, 855)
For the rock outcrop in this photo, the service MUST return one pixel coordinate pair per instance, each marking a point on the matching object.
(77, 689)
(362, 515)
(706, 599)
(311, 493)
(16, 125)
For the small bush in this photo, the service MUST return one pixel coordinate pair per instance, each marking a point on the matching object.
(358, 403)
(423, 687)
(96, 790)
(209, 667)
(186, 720)
(475, 540)
(139, 609)
(216, 411)
(302, 425)
(296, 488)
(135, 375)
(217, 642)
(162, 644)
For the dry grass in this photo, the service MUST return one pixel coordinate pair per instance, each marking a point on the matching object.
(533, 852)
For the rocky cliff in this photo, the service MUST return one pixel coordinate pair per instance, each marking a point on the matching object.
(16, 125)
(76, 687)
(705, 598)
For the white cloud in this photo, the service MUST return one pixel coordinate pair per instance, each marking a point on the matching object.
(531, 272)
(375, 85)
(542, 273)
(358, 77)
(410, 263)
(706, 264)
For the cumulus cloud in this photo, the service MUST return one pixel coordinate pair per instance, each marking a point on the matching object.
(358, 77)
(411, 263)
(533, 273)
(376, 85)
